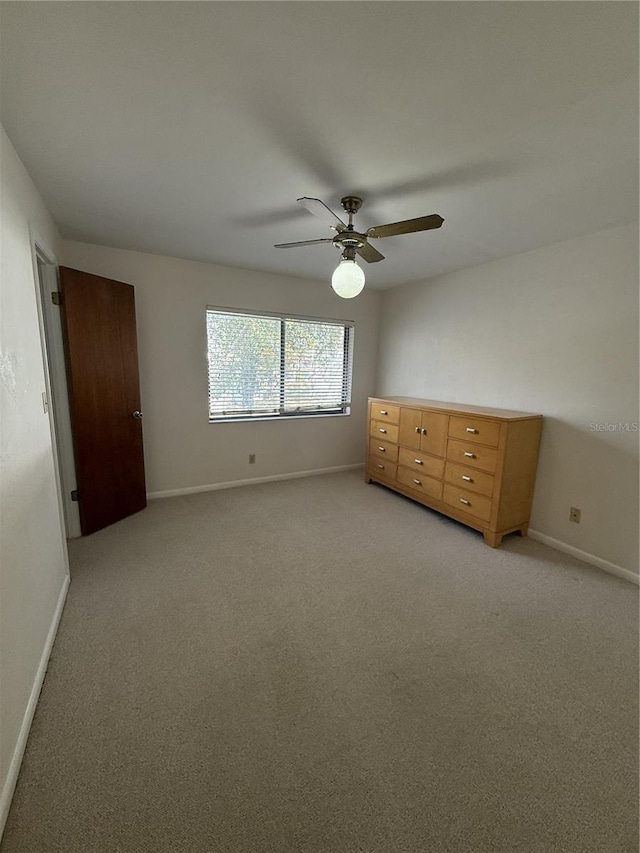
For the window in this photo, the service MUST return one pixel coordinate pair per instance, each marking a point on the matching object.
(273, 366)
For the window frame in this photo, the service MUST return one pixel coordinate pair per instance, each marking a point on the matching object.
(349, 338)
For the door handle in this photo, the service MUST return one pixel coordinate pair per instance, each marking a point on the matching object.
(137, 415)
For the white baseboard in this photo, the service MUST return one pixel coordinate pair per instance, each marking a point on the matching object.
(212, 487)
(9, 784)
(605, 565)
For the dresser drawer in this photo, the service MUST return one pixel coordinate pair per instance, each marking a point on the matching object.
(386, 431)
(380, 411)
(469, 478)
(420, 483)
(421, 462)
(475, 455)
(381, 466)
(384, 449)
(476, 505)
(475, 430)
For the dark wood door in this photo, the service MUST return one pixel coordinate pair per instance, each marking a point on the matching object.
(104, 389)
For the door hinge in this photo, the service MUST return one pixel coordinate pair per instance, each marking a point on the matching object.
(74, 495)
(56, 297)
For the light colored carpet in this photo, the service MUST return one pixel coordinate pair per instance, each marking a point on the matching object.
(323, 666)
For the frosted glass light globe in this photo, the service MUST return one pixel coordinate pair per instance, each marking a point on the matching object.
(347, 279)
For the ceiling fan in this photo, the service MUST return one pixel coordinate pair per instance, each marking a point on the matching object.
(348, 277)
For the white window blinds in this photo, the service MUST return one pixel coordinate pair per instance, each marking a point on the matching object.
(264, 365)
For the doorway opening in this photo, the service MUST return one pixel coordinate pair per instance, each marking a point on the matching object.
(56, 396)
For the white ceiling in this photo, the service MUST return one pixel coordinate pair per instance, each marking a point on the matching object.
(189, 129)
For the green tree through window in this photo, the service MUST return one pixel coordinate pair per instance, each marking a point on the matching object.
(275, 366)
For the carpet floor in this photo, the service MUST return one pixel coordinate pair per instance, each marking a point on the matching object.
(322, 666)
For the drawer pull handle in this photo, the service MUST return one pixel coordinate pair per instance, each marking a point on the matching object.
(472, 430)
(382, 430)
(468, 479)
(418, 482)
(463, 501)
(418, 461)
(423, 431)
(381, 466)
(470, 455)
(382, 449)
(418, 430)
(382, 412)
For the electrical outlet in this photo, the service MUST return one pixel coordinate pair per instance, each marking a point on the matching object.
(252, 459)
(574, 514)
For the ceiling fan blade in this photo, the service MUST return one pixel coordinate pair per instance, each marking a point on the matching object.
(320, 209)
(302, 243)
(369, 254)
(422, 223)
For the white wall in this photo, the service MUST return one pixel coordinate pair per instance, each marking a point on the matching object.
(553, 331)
(182, 450)
(33, 565)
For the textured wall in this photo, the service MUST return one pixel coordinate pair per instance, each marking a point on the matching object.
(182, 449)
(553, 331)
(33, 569)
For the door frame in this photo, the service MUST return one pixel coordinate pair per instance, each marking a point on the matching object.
(56, 396)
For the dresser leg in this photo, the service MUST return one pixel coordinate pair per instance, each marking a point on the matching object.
(492, 539)
(524, 530)
(367, 478)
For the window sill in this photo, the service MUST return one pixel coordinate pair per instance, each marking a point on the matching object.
(280, 418)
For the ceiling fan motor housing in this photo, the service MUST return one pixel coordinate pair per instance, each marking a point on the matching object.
(349, 239)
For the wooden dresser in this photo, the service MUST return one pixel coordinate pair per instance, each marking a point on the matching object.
(475, 464)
